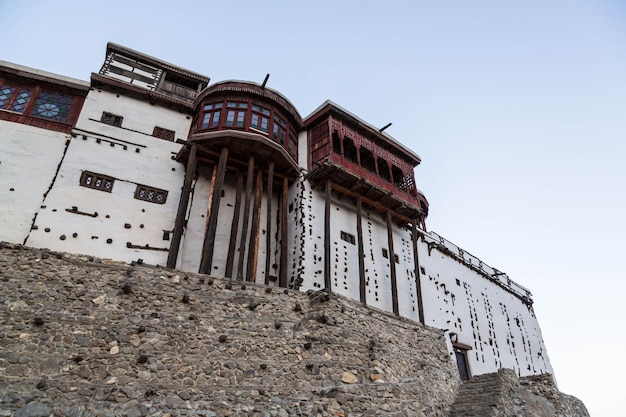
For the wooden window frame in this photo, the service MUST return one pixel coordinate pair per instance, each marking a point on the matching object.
(163, 133)
(142, 192)
(90, 179)
(116, 119)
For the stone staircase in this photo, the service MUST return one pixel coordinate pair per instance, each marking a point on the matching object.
(480, 396)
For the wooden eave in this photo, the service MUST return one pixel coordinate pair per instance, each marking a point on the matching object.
(381, 139)
(353, 185)
(32, 76)
(139, 56)
(99, 80)
(241, 146)
(248, 88)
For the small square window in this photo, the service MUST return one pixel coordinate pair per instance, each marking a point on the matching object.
(97, 181)
(163, 133)
(111, 119)
(347, 237)
(152, 195)
(385, 253)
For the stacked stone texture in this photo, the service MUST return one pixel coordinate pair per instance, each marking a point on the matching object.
(82, 336)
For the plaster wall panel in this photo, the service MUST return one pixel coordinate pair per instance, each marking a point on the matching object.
(112, 224)
(344, 248)
(313, 206)
(193, 237)
(29, 158)
(139, 118)
(303, 149)
(497, 324)
(296, 233)
(405, 273)
(377, 268)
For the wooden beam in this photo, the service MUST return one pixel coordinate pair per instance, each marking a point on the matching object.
(246, 217)
(183, 203)
(392, 265)
(284, 247)
(209, 238)
(418, 277)
(327, 281)
(359, 238)
(253, 246)
(268, 223)
(234, 227)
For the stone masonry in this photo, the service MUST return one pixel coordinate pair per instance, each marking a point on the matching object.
(83, 336)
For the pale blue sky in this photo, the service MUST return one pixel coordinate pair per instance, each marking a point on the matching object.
(517, 109)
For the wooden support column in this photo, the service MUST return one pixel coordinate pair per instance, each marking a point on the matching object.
(284, 247)
(359, 239)
(392, 264)
(418, 277)
(246, 217)
(327, 281)
(209, 237)
(268, 223)
(253, 245)
(234, 228)
(182, 208)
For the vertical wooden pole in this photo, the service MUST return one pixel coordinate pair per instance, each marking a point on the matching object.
(246, 217)
(253, 245)
(359, 238)
(284, 247)
(234, 228)
(268, 223)
(182, 208)
(209, 237)
(392, 264)
(327, 280)
(418, 277)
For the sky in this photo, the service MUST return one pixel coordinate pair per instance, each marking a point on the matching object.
(516, 108)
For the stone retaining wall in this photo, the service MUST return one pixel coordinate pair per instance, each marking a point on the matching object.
(82, 336)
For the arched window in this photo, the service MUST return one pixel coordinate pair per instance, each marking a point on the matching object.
(367, 160)
(383, 170)
(349, 150)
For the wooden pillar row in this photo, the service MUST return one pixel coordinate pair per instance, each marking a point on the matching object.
(246, 216)
(268, 223)
(234, 228)
(359, 238)
(418, 279)
(179, 224)
(284, 246)
(253, 245)
(327, 254)
(392, 264)
(209, 238)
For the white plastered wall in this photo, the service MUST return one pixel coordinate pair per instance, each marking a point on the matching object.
(501, 329)
(29, 157)
(132, 156)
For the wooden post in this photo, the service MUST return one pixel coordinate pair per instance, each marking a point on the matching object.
(418, 279)
(392, 264)
(234, 228)
(268, 223)
(253, 246)
(182, 208)
(209, 237)
(359, 238)
(246, 217)
(284, 247)
(327, 281)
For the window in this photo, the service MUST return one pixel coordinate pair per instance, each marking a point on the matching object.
(280, 129)
(111, 119)
(385, 253)
(152, 195)
(97, 181)
(367, 160)
(260, 118)
(383, 170)
(349, 150)
(398, 177)
(347, 237)
(211, 115)
(236, 113)
(52, 105)
(162, 133)
(14, 98)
